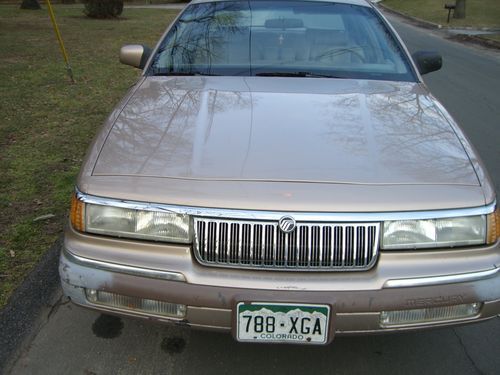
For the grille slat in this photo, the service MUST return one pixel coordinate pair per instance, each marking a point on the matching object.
(344, 244)
(275, 245)
(229, 242)
(355, 245)
(285, 253)
(252, 235)
(262, 245)
(240, 244)
(217, 236)
(321, 248)
(309, 245)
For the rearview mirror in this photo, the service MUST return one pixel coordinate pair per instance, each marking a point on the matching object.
(427, 61)
(135, 55)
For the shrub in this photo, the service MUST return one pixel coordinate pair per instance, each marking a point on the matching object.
(103, 8)
(30, 4)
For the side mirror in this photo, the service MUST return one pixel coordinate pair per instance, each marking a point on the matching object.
(135, 55)
(427, 61)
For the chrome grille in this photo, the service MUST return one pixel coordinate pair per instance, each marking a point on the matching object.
(261, 244)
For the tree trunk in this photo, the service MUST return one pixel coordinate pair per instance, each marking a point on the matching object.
(30, 4)
(459, 9)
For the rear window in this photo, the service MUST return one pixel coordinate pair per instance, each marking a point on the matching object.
(246, 38)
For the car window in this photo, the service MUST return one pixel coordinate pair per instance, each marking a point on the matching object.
(281, 37)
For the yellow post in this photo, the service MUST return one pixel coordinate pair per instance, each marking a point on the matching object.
(59, 38)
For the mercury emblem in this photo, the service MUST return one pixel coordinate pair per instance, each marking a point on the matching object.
(287, 224)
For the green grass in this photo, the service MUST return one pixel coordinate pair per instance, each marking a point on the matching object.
(478, 13)
(46, 123)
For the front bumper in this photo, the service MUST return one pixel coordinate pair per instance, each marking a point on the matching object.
(356, 302)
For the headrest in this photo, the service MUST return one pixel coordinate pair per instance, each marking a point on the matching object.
(284, 23)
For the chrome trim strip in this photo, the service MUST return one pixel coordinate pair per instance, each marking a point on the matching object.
(298, 216)
(120, 268)
(439, 280)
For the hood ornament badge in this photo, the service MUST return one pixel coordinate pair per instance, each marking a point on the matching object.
(287, 224)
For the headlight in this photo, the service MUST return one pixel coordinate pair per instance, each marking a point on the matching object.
(432, 233)
(131, 223)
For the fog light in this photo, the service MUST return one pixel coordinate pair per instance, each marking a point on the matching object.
(120, 301)
(430, 314)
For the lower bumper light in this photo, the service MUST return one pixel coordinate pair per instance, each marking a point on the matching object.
(428, 315)
(149, 306)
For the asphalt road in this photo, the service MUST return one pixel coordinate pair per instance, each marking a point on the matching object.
(72, 340)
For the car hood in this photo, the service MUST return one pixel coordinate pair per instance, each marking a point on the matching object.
(284, 130)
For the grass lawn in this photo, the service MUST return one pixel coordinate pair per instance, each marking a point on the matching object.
(478, 13)
(46, 123)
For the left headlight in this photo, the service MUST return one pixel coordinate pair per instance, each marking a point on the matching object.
(130, 222)
(434, 233)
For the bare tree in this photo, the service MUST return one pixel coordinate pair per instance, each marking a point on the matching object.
(459, 9)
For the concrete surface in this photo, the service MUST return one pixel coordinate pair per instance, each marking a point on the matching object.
(70, 344)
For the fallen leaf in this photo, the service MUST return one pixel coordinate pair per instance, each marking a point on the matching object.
(44, 217)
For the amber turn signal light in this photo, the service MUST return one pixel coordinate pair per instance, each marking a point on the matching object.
(493, 227)
(77, 213)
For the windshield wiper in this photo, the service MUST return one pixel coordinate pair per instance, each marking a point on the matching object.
(195, 73)
(296, 74)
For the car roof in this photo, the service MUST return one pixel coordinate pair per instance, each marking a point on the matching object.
(366, 3)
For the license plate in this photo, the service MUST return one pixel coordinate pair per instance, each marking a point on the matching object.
(282, 323)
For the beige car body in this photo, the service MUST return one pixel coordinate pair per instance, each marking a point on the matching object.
(358, 151)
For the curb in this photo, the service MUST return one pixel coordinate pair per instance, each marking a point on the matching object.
(25, 311)
(488, 43)
(472, 39)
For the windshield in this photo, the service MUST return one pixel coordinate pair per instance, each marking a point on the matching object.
(282, 38)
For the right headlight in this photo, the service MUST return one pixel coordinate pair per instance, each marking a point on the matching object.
(440, 232)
